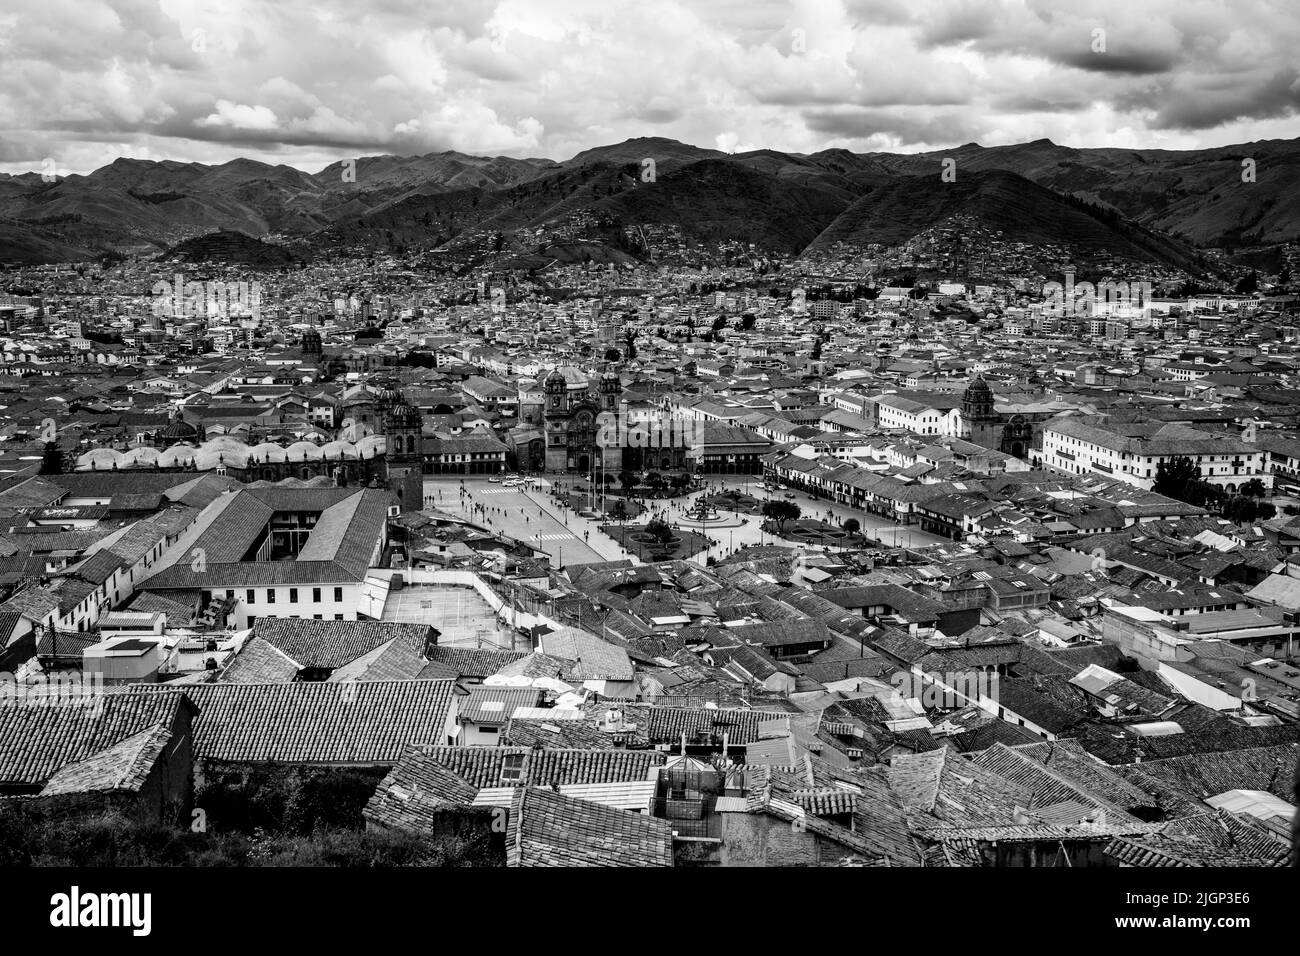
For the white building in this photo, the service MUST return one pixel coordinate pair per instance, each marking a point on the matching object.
(1133, 452)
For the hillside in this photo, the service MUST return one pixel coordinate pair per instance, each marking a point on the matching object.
(777, 200)
(1002, 201)
(232, 248)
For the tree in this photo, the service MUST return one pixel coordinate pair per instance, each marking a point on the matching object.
(1244, 511)
(679, 482)
(655, 481)
(852, 526)
(619, 511)
(628, 480)
(781, 512)
(52, 459)
(1180, 478)
(1254, 489)
(660, 530)
(612, 355)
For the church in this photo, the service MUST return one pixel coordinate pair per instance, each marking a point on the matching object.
(1006, 426)
(571, 421)
(584, 424)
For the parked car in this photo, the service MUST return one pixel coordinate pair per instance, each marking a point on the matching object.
(495, 480)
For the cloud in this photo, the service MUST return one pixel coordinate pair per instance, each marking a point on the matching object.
(240, 116)
(314, 81)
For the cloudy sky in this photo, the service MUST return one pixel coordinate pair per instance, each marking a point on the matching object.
(308, 82)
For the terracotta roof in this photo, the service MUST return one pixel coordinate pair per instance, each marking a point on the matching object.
(125, 766)
(549, 829)
(332, 644)
(37, 742)
(317, 723)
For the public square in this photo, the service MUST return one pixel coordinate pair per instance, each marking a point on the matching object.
(532, 515)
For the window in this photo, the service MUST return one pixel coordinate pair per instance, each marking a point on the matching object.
(230, 594)
(315, 595)
(293, 595)
(338, 597)
(512, 770)
(270, 595)
(338, 617)
(249, 597)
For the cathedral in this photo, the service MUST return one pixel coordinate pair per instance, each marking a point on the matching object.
(571, 421)
(583, 425)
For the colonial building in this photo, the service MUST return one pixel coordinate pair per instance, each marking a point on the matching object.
(1133, 452)
(1013, 428)
(573, 405)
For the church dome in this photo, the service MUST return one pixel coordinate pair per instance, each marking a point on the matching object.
(979, 390)
(387, 395)
(401, 415)
(176, 431)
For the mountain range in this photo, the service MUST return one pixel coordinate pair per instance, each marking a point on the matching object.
(1158, 205)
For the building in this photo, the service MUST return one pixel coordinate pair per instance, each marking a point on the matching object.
(1132, 452)
(279, 552)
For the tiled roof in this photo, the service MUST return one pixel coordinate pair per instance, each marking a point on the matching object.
(339, 549)
(1200, 776)
(1047, 786)
(260, 662)
(414, 792)
(473, 662)
(496, 705)
(36, 742)
(124, 766)
(953, 791)
(777, 633)
(549, 829)
(594, 659)
(667, 724)
(331, 644)
(1217, 838)
(318, 723)
(483, 766)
